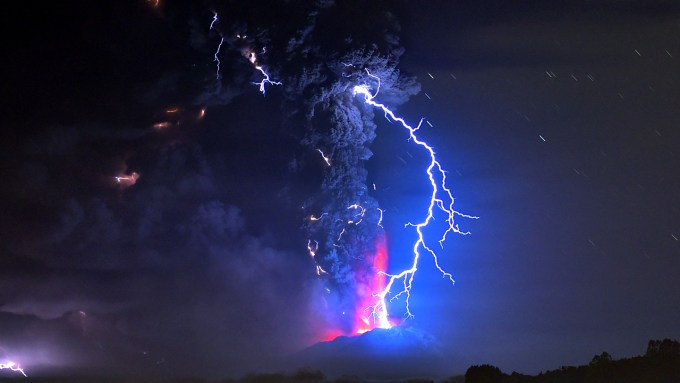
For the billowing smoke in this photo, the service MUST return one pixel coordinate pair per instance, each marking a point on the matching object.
(342, 129)
(319, 55)
(130, 244)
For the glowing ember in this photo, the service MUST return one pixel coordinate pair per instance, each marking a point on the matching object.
(161, 125)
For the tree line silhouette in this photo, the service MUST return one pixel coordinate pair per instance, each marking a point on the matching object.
(659, 364)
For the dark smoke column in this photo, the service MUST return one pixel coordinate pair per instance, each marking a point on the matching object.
(344, 218)
(320, 53)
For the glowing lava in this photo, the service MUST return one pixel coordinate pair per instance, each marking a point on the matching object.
(371, 284)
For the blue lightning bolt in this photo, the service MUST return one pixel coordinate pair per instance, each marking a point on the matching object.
(265, 80)
(219, 47)
(9, 365)
(217, 59)
(252, 57)
(441, 199)
(249, 54)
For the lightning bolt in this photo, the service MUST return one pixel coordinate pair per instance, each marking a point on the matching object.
(319, 218)
(127, 180)
(9, 365)
(361, 212)
(249, 54)
(325, 157)
(312, 253)
(441, 199)
(252, 57)
(216, 58)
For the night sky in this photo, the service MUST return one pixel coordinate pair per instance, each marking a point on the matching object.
(557, 121)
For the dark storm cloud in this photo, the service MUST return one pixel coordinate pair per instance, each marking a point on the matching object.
(170, 246)
(178, 261)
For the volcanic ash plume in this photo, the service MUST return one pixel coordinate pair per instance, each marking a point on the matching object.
(334, 48)
(349, 224)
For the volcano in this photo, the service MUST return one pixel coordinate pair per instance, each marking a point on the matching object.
(397, 352)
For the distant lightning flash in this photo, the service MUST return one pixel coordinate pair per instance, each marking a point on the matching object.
(217, 59)
(361, 211)
(325, 157)
(127, 180)
(252, 57)
(9, 365)
(162, 125)
(315, 218)
(219, 47)
(440, 197)
(312, 253)
(248, 53)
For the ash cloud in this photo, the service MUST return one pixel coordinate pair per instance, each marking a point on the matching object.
(320, 54)
(172, 271)
(158, 271)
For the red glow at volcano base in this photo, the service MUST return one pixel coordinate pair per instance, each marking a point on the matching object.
(370, 280)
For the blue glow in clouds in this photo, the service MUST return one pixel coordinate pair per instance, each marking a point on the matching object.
(441, 199)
